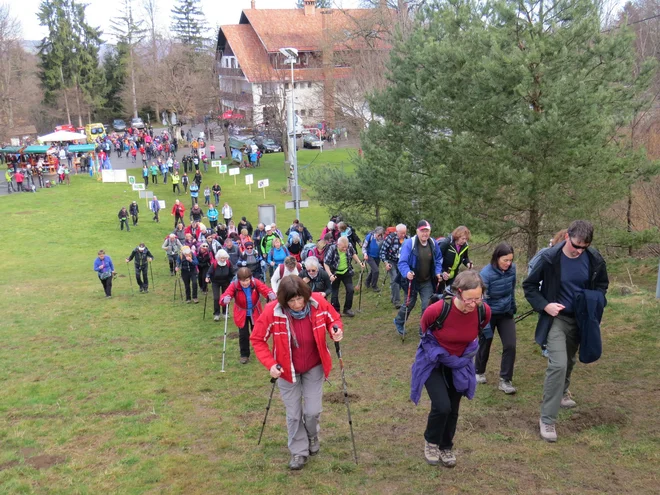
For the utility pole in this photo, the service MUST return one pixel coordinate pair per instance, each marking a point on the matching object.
(292, 55)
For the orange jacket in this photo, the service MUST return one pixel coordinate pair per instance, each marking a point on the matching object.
(240, 303)
(274, 322)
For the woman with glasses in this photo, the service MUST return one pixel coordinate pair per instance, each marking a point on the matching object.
(314, 276)
(443, 363)
(500, 280)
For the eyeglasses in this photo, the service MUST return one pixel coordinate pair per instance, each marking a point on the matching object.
(476, 300)
(311, 271)
(575, 246)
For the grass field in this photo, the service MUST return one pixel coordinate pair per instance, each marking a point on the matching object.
(125, 396)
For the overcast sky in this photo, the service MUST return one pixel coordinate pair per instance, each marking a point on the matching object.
(99, 12)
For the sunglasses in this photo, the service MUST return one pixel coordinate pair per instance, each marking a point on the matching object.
(575, 246)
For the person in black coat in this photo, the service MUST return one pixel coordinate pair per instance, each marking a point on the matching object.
(244, 224)
(134, 210)
(562, 272)
(142, 257)
(315, 276)
(220, 275)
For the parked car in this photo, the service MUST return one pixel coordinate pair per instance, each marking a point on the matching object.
(65, 127)
(269, 146)
(312, 141)
(119, 125)
(137, 123)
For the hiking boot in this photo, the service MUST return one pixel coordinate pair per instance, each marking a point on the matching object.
(399, 328)
(506, 387)
(196, 301)
(314, 446)
(567, 401)
(141, 290)
(297, 462)
(188, 301)
(432, 453)
(244, 359)
(548, 432)
(376, 289)
(216, 317)
(146, 291)
(481, 378)
(349, 312)
(447, 458)
(108, 297)
(397, 305)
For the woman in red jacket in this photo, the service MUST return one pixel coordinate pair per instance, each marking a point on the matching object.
(247, 306)
(298, 322)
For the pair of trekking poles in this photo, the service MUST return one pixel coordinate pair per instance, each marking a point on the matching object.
(345, 390)
(153, 280)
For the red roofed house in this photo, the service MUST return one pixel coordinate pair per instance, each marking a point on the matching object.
(252, 73)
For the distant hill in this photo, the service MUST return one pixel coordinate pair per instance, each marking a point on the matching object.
(32, 46)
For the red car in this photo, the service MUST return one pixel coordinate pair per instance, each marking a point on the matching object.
(65, 127)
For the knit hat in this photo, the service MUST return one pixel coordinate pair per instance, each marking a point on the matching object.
(249, 245)
(423, 224)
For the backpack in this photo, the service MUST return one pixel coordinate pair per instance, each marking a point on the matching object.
(307, 248)
(446, 308)
(389, 230)
(298, 266)
(272, 250)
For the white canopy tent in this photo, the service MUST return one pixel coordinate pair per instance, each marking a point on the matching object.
(62, 136)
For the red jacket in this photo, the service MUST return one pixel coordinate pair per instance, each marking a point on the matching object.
(274, 322)
(181, 209)
(240, 303)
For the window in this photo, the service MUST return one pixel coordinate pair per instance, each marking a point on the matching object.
(310, 113)
(302, 112)
(286, 85)
(309, 84)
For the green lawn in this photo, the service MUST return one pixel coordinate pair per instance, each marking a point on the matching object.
(126, 396)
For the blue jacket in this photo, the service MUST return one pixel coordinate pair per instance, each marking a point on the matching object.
(589, 306)
(370, 247)
(108, 266)
(500, 292)
(430, 355)
(408, 257)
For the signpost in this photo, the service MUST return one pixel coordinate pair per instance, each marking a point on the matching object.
(234, 171)
(217, 164)
(249, 180)
(138, 187)
(263, 184)
(222, 169)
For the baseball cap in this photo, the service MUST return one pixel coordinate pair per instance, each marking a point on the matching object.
(268, 227)
(249, 244)
(423, 224)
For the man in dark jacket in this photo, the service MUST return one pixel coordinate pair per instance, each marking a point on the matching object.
(244, 224)
(564, 270)
(134, 210)
(142, 257)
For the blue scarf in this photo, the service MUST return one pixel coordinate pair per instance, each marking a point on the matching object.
(297, 315)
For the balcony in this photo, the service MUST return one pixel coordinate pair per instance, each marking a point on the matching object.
(236, 97)
(225, 72)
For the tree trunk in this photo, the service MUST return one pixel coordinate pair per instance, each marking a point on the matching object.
(225, 132)
(532, 232)
(66, 98)
(133, 93)
(80, 124)
(629, 218)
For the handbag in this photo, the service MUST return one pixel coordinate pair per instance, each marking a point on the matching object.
(105, 275)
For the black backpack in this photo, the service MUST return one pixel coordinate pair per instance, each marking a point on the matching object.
(446, 308)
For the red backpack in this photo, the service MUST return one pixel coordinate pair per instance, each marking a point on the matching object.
(298, 266)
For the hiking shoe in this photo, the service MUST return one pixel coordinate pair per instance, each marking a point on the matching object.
(481, 378)
(297, 462)
(146, 291)
(545, 353)
(108, 297)
(399, 328)
(188, 301)
(376, 289)
(314, 446)
(397, 305)
(196, 301)
(244, 359)
(432, 453)
(567, 401)
(141, 290)
(216, 317)
(447, 458)
(349, 312)
(506, 387)
(548, 432)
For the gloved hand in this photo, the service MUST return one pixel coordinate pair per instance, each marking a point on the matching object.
(271, 296)
(225, 300)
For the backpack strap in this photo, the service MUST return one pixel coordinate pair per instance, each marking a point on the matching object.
(281, 270)
(482, 317)
(444, 313)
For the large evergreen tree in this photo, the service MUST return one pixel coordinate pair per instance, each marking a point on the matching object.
(189, 24)
(114, 66)
(502, 115)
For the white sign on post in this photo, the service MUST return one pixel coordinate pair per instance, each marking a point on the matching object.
(222, 169)
(216, 163)
(249, 179)
(234, 171)
(138, 187)
(262, 183)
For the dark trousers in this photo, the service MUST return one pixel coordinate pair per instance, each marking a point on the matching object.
(107, 286)
(214, 224)
(172, 261)
(218, 289)
(227, 220)
(201, 278)
(146, 181)
(217, 198)
(374, 273)
(156, 219)
(154, 179)
(347, 279)
(506, 327)
(177, 219)
(141, 277)
(244, 337)
(176, 188)
(135, 219)
(445, 400)
(122, 222)
(212, 155)
(189, 279)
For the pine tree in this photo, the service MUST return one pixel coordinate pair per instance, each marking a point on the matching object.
(501, 115)
(320, 4)
(189, 23)
(114, 66)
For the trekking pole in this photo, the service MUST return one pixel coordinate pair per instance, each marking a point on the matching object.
(270, 398)
(343, 382)
(206, 296)
(405, 318)
(180, 287)
(176, 279)
(382, 287)
(224, 344)
(523, 316)
(153, 280)
(130, 279)
(360, 296)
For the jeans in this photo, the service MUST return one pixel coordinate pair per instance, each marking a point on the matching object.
(563, 344)
(244, 337)
(107, 286)
(212, 155)
(303, 401)
(374, 273)
(218, 289)
(146, 181)
(347, 279)
(506, 327)
(135, 219)
(217, 198)
(445, 402)
(141, 277)
(188, 279)
(122, 222)
(395, 288)
(425, 291)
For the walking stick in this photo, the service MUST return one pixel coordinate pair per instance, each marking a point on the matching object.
(176, 279)
(180, 287)
(382, 287)
(343, 382)
(405, 318)
(270, 398)
(360, 296)
(224, 345)
(206, 296)
(153, 280)
(523, 316)
(130, 279)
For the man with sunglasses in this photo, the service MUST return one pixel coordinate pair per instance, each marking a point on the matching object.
(565, 269)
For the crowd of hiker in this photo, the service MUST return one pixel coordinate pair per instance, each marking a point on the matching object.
(299, 279)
